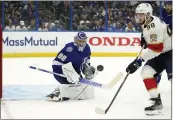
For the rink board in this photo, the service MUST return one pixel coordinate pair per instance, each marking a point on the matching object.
(48, 44)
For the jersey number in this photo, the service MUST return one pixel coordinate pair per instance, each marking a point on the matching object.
(150, 26)
(62, 57)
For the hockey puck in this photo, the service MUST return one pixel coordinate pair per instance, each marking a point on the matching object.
(100, 67)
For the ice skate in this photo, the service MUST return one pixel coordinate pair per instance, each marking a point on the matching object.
(155, 108)
(55, 96)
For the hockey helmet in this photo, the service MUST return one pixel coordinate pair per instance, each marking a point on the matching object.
(144, 8)
(80, 40)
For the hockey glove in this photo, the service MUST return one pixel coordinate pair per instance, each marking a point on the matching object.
(143, 42)
(90, 72)
(132, 67)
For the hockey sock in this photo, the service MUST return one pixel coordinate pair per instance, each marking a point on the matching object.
(151, 86)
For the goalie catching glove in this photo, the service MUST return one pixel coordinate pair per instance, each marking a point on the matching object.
(89, 71)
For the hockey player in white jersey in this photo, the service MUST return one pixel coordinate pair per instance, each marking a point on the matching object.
(156, 37)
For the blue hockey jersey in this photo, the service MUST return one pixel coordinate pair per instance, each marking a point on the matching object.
(167, 18)
(71, 54)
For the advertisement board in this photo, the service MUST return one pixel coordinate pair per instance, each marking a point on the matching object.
(48, 44)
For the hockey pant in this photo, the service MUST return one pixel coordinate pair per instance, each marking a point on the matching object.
(155, 66)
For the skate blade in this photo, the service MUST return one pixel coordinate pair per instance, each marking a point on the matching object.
(154, 112)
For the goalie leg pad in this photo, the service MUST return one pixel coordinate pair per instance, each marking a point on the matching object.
(77, 91)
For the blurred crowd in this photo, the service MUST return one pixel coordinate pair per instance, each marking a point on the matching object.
(19, 15)
(118, 17)
(22, 16)
(78, 15)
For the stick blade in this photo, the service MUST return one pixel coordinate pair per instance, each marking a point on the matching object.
(115, 80)
(100, 111)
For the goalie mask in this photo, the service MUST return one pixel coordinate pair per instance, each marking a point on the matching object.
(143, 12)
(80, 40)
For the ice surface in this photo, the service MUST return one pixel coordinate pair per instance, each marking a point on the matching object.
(24, 90)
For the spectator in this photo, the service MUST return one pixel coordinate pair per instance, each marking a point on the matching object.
(88, 24)
(118, 27)
(9, 27)
(42, 27)
(156, 8)
(32, 25)
(100, 15)
(57, 27)
(111, 28)
(92, 24)
(10, 9)
(49, 24)
(130, 27)
(21, 27)
(136, 25)
(122, 22)
(98, 26)
(15, 20)
(83, 26)
(167, 14)
(110, 16)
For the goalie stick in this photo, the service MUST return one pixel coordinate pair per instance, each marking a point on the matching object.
(85, 81)
(102, 111)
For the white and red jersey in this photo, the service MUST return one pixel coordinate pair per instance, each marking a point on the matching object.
(158, 37)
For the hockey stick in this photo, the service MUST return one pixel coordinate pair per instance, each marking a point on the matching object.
(101, 111)
(85, 81)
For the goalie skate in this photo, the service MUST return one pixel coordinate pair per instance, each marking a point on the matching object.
(55, 96)
(156, 107)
